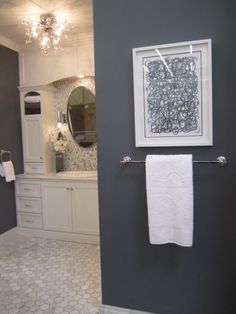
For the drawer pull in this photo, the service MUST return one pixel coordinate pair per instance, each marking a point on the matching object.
(34, 168)
(27, 189)
(28, 205)
(29, 221)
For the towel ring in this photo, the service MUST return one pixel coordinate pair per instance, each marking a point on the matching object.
(5, 152)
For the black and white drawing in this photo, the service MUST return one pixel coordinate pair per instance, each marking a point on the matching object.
(172, 95)
(172, 90)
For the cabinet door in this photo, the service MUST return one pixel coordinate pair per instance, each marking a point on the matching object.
(32, 139)
(56, 205)
(85, 208)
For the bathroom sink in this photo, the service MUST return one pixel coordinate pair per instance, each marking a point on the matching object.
(77, 174)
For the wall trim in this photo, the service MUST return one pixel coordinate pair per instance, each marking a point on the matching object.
(56, 235)
(74, 59)
(107, 309)
(6, 42)
(47, 87)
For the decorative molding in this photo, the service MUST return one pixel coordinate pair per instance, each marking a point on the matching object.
(38, 69)
(38, 87)
(21, 58)
(107, 309)
(6, 42)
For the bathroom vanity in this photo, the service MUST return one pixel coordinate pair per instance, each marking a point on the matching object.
(60, 206)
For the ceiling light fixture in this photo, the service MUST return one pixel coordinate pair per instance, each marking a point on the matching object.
(49, 30)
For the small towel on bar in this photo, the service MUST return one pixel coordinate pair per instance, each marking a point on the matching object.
(169, 183)
(32, 99)
(2, 173)
(9, 171)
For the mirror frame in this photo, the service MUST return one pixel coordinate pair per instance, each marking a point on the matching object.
(80, 143)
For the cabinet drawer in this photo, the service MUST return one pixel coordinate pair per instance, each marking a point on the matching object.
(34, 167)
(29, 220)
(31, 205)
(28, 188)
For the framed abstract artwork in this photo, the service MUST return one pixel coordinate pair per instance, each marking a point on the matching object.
(173, 94)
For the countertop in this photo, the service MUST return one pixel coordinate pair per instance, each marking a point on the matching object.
(59, 176)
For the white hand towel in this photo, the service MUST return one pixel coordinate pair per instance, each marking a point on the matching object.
(9, 171)
(32, 99)
(169, 182)
(2, 173)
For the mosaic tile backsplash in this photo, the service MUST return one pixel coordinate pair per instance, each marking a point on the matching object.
(75, 157)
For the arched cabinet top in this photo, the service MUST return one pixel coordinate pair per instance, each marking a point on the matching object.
(37, 88)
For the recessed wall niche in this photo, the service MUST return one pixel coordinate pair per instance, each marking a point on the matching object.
(76, 157)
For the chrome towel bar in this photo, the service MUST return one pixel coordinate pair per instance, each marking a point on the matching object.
(219, 160)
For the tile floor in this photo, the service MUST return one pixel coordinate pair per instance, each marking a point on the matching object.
(40, 276)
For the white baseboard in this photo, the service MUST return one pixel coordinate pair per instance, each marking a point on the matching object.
(64, 236)
(107, 309)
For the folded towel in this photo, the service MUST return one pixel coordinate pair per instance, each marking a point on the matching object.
(169, 183)
(32, 99)
(2, 173)
(9, 171)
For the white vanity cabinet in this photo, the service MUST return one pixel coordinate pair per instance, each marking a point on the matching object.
(70, 207)
(28, 204)
(56, 201)
(84, 205)
(32, 134)
(36, 119)
(54, 207)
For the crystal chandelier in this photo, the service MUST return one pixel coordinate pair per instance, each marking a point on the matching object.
(49, 30)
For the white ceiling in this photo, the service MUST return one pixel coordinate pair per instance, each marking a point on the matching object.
(78, 12)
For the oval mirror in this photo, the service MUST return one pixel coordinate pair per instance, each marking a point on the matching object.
(81, 114)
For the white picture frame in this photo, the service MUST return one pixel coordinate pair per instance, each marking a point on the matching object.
(173, 94)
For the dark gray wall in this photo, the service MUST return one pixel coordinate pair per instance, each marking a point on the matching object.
(165, 279)
(10, 131)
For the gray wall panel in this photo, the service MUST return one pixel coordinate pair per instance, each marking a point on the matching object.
(10, 132)
(165, 279)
